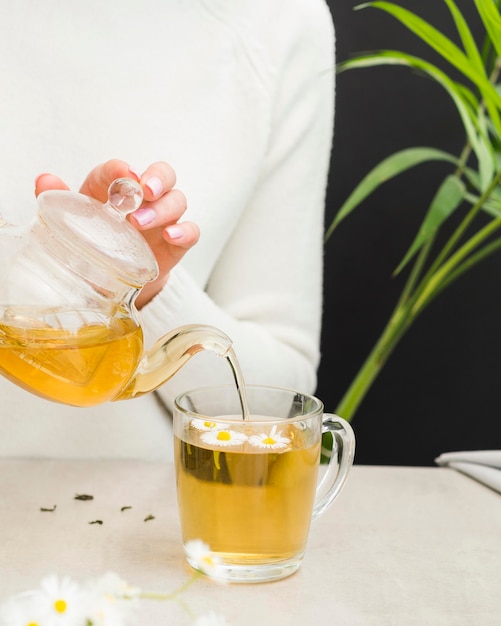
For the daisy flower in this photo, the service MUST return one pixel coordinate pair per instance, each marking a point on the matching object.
(205, 425)
(110, 584)
(22, 610)
(108, 610)
(223, 438)
(61, 601)
(112, 600)
(200, 557)
(272, 441)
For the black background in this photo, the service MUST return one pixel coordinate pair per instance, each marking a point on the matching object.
(440, 389)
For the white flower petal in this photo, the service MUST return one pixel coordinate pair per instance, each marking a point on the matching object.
(272, 441)
(62, 601)
(111, 584)
(199, 555)
(205, 425)
(224, 438)
(21, 610)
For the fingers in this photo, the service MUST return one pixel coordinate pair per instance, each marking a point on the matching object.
(100, 178)
(159, 178)
(44, 182)
(158, 218)
(167, 209)
(181, 236)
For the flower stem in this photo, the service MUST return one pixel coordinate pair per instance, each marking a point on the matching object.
(173, 595)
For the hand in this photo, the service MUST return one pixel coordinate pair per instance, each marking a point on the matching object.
(157, 218)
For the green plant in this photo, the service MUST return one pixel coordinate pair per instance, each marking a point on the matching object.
(473, 185)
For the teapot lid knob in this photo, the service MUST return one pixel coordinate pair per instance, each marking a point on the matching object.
(125, 196)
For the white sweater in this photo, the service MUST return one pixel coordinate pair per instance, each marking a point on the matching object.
(237, 95)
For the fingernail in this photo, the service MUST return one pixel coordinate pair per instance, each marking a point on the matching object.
(145, 216)
(154, 184)
(135, 172)
(174, 232)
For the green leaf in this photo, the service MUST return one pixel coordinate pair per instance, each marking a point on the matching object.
(433, 37)
(467, 38)
(449, 196)
(449, 51)
(467, 105)
(489, 12)
(388, 168)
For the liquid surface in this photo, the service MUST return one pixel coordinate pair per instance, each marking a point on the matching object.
(81, 367)
(248, 501)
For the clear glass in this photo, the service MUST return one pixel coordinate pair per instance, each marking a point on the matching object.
(249, 488)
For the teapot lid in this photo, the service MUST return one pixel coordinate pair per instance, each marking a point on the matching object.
(99, 232)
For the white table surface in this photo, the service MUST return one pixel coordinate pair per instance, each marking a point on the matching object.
(401, 546)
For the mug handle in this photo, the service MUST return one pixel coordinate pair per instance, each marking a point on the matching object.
(343, 451)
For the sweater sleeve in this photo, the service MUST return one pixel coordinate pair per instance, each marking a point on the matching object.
(265, 290)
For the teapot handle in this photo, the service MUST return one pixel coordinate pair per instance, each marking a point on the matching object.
(170, 353)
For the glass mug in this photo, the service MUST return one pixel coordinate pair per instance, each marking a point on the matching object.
(250, 488)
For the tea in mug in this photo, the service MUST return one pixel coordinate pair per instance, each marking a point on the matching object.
(248, 494)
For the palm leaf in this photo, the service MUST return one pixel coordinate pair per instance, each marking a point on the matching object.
(489, 13)
(465, 101)
(467, 38)
(449, 196)
(387, 169)
(449, 51)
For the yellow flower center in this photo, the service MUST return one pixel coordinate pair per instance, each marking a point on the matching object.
(208, 560)
(269, 441)
(210, 424)
(32, 624)
(60, 606)
(223, 435)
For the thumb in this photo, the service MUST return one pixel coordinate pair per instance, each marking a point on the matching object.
(44, 182)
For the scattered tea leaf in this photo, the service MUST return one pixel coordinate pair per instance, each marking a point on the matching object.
(149, 517)
(83, 496)
(124, 508)
(96, 521)
(44, 510)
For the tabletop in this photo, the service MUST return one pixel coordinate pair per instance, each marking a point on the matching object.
(400, 546)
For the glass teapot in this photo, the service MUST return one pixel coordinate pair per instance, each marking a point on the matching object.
(69, 329)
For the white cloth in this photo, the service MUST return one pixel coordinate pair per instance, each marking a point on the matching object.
(238, 97)
(481, 465)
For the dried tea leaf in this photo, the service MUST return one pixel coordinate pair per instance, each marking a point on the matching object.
(97, 521)
(124, 508)
(44, 510)
(149, 517)
(83, 496)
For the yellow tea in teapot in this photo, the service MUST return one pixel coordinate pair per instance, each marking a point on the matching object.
(83, 366)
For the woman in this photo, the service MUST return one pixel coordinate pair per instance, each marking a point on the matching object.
(238, 98)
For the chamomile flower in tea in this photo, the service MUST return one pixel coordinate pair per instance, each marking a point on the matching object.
(223, 438)
(205, 425)
(272, 441)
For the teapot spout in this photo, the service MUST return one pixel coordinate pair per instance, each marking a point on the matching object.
(170, 353)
